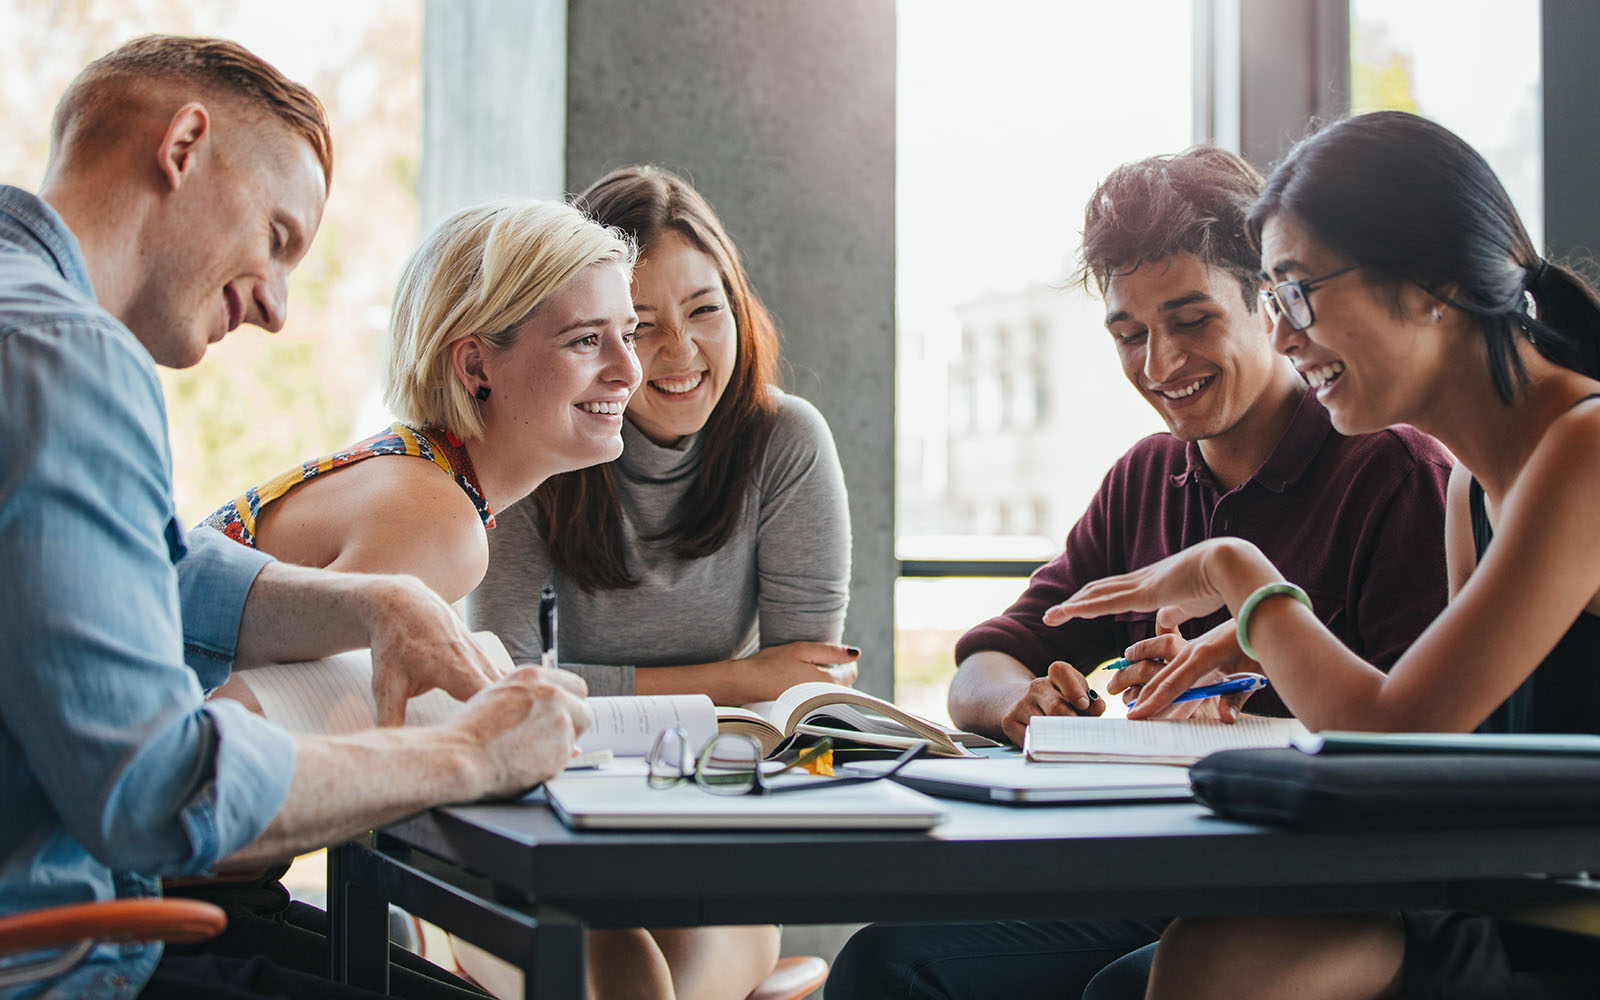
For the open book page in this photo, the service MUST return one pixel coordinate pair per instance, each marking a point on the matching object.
(1070, 738)
(334, 695)
(820, 708)
(752, 721)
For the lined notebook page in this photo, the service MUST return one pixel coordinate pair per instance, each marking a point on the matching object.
(334, 695)
(627, 725)
(1081, 738)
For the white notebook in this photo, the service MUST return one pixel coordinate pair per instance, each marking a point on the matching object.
(626, 802)
(1015, 781)
(1069, 738)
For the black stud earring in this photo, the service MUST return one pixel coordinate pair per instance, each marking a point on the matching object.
(482, 393)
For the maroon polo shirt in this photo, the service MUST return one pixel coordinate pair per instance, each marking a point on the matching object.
(1357, 521)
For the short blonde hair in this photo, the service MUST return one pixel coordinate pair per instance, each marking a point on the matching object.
(481, 273)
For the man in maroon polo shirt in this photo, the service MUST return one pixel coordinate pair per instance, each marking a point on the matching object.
(1357, 521)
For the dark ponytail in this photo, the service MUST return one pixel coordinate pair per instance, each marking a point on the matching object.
(1413, 204)
(1564, 323)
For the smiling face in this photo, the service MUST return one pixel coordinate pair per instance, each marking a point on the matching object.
(688, 341)
(559, 391)
(1195, 350)
(1367, 359)
(222, 248)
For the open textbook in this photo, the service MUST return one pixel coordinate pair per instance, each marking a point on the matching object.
(1071, 738)
(334, 695)
(818, 708)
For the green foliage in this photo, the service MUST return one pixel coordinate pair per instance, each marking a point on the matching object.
(1380, 76)
(258, 404)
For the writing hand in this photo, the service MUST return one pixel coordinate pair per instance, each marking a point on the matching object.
(1208, 659)
(525, 725)
(1061, 691)
(1215, 656)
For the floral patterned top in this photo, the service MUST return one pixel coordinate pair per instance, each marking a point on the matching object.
(237, 518)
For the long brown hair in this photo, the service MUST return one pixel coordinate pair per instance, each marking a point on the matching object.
(578, 512)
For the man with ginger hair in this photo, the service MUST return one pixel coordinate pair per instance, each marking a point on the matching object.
(186, 179)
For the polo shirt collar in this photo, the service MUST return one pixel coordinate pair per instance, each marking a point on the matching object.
(1302, 439)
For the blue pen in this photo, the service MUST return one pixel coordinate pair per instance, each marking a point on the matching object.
(1117, 664)
(1231, 686)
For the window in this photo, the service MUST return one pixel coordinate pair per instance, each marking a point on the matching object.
(259, 404)
(1009, 114)
(1471, 65)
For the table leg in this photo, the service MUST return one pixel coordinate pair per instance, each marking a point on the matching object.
(364, 877)
(358, 923)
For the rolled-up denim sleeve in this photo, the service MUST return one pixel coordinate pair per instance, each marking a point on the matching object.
(99, 700)
(214, 578)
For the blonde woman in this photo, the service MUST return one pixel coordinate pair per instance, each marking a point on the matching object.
(511, 359)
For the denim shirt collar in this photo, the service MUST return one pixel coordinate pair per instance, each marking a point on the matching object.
(30, 224)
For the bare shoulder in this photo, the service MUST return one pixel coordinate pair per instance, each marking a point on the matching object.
(1572, 443)
(389, 514)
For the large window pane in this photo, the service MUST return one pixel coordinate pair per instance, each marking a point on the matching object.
(1470, 65)
(1011, 404)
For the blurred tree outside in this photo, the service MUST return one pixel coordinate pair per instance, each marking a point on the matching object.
(1380, 76)
(258, 404)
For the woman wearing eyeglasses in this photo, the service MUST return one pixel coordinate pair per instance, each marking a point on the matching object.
(713, 557)
(1406, 290)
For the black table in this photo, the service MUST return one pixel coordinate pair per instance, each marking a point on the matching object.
(514, 880)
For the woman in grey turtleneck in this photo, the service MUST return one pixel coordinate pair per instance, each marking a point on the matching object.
(713, 556)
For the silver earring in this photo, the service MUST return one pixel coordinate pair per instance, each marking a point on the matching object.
(1438, 315)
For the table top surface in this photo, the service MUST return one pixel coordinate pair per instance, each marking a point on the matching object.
(1127, 858)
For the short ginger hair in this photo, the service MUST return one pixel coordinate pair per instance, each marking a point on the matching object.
(100, 101)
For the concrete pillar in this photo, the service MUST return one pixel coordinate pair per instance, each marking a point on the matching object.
(1265, 68)
(782, 115)
(1571, 145)
(494, 92)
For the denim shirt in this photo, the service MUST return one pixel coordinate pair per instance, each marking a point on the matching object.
(113, 769)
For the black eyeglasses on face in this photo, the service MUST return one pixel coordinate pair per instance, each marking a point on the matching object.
(1292, 299)
(731, 765)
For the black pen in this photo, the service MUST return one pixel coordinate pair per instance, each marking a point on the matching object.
(547, 626)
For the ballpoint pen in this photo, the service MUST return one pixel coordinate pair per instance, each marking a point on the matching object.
(1233, 685)
(547, 626)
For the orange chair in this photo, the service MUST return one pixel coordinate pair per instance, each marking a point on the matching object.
(792, 978)
(79, 926)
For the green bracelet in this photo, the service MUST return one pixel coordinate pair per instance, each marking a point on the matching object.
(1242, 622)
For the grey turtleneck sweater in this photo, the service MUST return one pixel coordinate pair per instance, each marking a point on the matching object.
(783, 576)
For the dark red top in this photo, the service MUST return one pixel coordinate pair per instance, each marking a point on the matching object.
(1357, 521)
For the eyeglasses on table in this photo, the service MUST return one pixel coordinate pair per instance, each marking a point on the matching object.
(730, 764)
